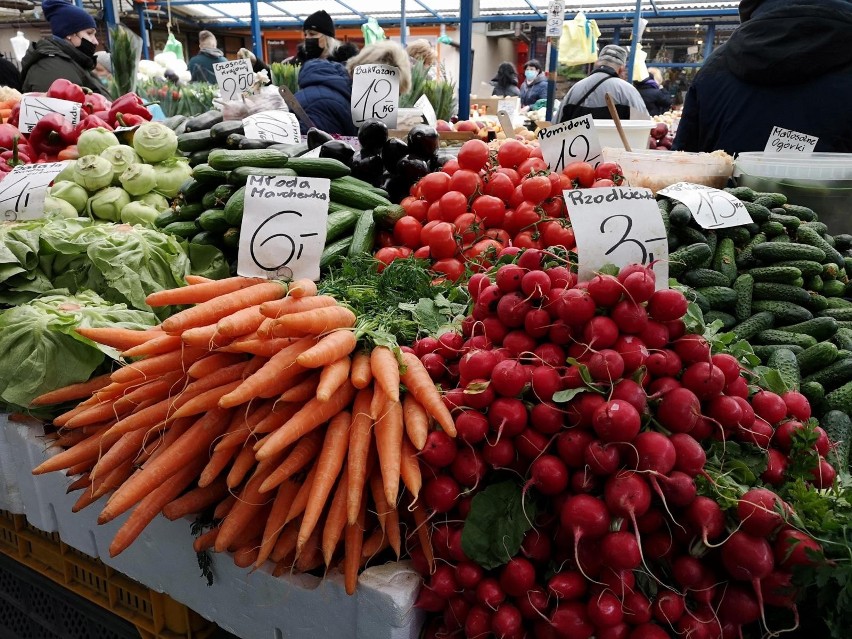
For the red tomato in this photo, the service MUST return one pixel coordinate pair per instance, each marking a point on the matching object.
(517, 196)
(499, 185)
(512, 153)
(426, 233)
(609, 171)
(450, 166)
(536, 152)
(466, 182)
(527, 239)
(473, 155)
(532, 165)
(422, 253)
(536, 189)
(452, 205)
(554, 207)
(407, 232)
(434, 185)
(557, 233)
(511, 173)
(442, 242)
(524, 216)
(491, 210)
(384, 239)
(450, 267)
(468, 227)
(498, 235)
(418, 209)
(602, 182)
(433, 214)
(483, 252)
(388, 254)
(581, 174)
(555, 184)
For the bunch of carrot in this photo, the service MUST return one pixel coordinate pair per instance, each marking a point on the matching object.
(256, 403)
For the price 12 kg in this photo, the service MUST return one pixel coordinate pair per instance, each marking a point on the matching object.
(372, 102)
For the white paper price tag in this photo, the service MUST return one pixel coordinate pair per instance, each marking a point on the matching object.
(23, 189)
(34, 108)
(283, 229)
(233, 77)
(508, 105)
(428, 111)
(281, 127)
(555, 18)
(618, 225)
(789, 142)
(375, 94)
(711, 208)
(572, 141)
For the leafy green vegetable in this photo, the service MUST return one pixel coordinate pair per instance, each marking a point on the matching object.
(495, 527)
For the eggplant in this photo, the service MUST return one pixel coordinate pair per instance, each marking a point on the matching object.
(439, 160)
(372, 135)
(423, 141)
(392, 152)
(337, 150)
(412, 168)
(317, 138)
(397, 187)
(368, 168)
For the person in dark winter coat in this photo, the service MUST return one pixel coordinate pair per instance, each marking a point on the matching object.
(201, 65)
(534, 86)
(653, 95)
(788, 65)
(68, 53)
(9, 74)
(325, 93)
(505, 83)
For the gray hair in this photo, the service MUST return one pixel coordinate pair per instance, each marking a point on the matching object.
(331, 45)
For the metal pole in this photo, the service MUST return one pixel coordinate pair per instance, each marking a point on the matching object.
(465, 49)
(710, 40)
(143, 30)
(110, 19)
(403, 24)
(634, 40)
(552, 65)
(257, 39)
(616, 35)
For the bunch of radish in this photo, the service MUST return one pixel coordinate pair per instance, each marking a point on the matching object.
(594, 397)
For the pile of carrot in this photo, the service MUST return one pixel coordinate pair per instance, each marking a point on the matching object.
(255, 402)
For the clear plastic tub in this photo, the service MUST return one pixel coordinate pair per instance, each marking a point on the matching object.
(655, 170)
(637, 133)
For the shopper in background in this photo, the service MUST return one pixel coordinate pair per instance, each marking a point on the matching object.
(201, 64)
(789, 64)
(505, 83)
(325, 88)
(657, 100)
(588, 96)
(68, 53)
(385, 52)
(257, 64)
(9, 74)
(345, 51)
(103, 67)
(534, 86)
(423, 52)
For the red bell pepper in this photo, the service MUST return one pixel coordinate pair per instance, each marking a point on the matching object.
(13, 117)
(128, 119)
(128, 104)
(51, 134)
(10, 159)
(103, 115)
(91, 122)
(66, 90)
(8, 134)
(95, 102)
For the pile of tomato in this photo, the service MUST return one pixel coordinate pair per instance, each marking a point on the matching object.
(484, 201)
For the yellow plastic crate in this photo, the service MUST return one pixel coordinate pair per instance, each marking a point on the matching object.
(155, 615)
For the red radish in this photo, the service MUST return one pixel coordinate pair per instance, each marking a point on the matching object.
(649, 631)
(655, 335)
(620, 582)
(632, 393)
(533, 604)
(549, 475)
(425, 346)
(748, 558)
(692, 349)
(728, 365)
(512, 308)
(478, 394)
(472, 426)
(664, 362)
(748, 417)
(778, 589)
(500, 454)
(570, 446)
(823, 443)
(632, 350)
(531, 443)
(739, 605)
(823, 475)
(795, 548)
(489, 593)
(616, 421)
(545, 382)
(440, 449)
(759, 434)
(477, 364)
(495, 331)
(737, 388)
(429, 601)
(434, 365)
(441, 493)
(600, 332)
(584, 482)
(769, 406)
(517, 577)
(705, 517)
(677, 329)
(531, 259)
(549, 355)
(618, 631)
(668, 607)
(637, 609)
(776, 467)
(689, 626)
(678, 488)
(507, 417)
(567, 585)
(582, 409)
(653, 451)
(570, 620)
(561, 276)
(658, 545)
(509, 378)
(630, 269)
(518, 343)
(667, 304)
(537, 323)
(629, 316)
(547, 418)
(488, 298)
(604, 610)
(640, 286)
(663, 385)
(650, 521)
(689, 455)
(602, 459)
(443, 581)
(476, 284)
(506, 622)
(703, 379)
(797, 405)
(725, 410)
(621, 551)
(606, 366)
(758, 511)
(605, 290)
(536, 546)
(478, 622)
(468, 467)
(469, 574)
(627, 495)
(456, 613)
(508, 278)
(536, 284)
(784, 434)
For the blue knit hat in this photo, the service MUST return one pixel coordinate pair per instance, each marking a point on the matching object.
(66, 18)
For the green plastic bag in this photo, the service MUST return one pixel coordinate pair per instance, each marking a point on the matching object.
(372, 31)
(174, 45)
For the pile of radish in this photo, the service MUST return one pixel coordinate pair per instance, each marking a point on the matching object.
(626, 538)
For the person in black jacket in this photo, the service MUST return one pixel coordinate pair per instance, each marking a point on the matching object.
(9, 74)
(505, 82)
(653, 95)
(789, 64)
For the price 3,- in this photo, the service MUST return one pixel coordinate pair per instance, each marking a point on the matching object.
(611, 225)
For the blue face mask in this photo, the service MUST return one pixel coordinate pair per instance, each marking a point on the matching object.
(530, 74)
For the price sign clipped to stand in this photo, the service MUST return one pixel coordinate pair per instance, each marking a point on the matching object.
(281, 127)
(555, 18)
(787, 142)
(24, 188)
(283, 230)
(375, 94)
(428, 110)
(34, 108)
(618, 225)
(711, 208)
(572, 141)
(233, 77)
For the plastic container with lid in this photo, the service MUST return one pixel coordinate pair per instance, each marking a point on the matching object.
(656, 170)
(821, 181)
(637, 132)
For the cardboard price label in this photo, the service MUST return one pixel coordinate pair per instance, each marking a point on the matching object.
(618, 225)
(233, 77)
(787, 142)
(283, 230)
(24, 188)
(711, 208)
(375, 94)
(428, 110)
(34, 108)
(572, 141)
(281, 127)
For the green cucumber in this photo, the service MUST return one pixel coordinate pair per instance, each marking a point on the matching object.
(743, 286)
(233, 212)
(204, 237)
(213, 220)
(222, 130)
(776, 252)
(240, 175)
(779, 274)
(833, 288)
(226, 160)
(816, 357)
(789, 222)
(719, 297)
(182, 229)
(357, 197)
(195, 141)
(319, 167)
(813, 391)
(821, 328)
(206, 173)
(364, 235)
(728, 320)
(340, 224)
(784, 312)
(742, 193)
(802, 212)
(834, 375)
(784, 361)
(204, 121)
(724, 260)
(746, 257)
(231, 238)
(754, 325)
(704, 277)
(387, 216)
(770, 200)
(782, 292)
(758, 212)
(765, 352)
(686, 258)
(841, 314)
(809, 268)
(335, 251)
(680, 215)
(809, 236)
(780, 337)
(838, 426)
(843, 338)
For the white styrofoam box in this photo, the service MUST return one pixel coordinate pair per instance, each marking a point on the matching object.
(10, 494)
(252, 605)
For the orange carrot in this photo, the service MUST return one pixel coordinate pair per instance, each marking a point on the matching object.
(86, 450)
(192, 280)
(315, 322)
(72, 392)
(312, 556)
(416, 421)
(301, 455)
(265, 347)
(377, 490)
(119, 338)
(277, 418)
(115, 478)
(246, 555)
(392, 531)
(301, 499)
(286, 543)
(81, 482)
(301, 288)
(359, 449)
(83, 467)
(86, 498)
(157, 346)
(275, 523)
(335, 521)
(206, 540)
(238, 433)
(195, 500)
(242, 322)
(205, 401)
(419, 384)
(420, 521)
(219, 459)
(374, 544)
(198, 293)
(213, 363)
(170, 436)
(224, 507)
(385, 370)
(389, 446)
(307, 419)
(249, 503)
(329, 349)
(361, 374)
(328, 467)
(125, 448)
(353, 542)
(333, 377)
(206, 337)
(215, 309)
(409, 469)
(302, 391)
(377, 405)
(243, 463)
(147, 368)
(189, 446)
(287, 305)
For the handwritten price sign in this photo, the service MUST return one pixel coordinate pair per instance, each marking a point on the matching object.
(283, 230)
(572, 141)
(281, 127)
(34, 108)
(619, 225)
(23, 189)
(789, 142)
(711, 208)
(233, 77)
(375, 94)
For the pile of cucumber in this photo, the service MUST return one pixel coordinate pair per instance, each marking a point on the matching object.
(781, 283)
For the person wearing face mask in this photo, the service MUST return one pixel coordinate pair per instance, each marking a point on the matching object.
(68, 53)
(534, 86)
(325, 88)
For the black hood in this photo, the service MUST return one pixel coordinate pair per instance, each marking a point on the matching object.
(54, 47)
(791, 42)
